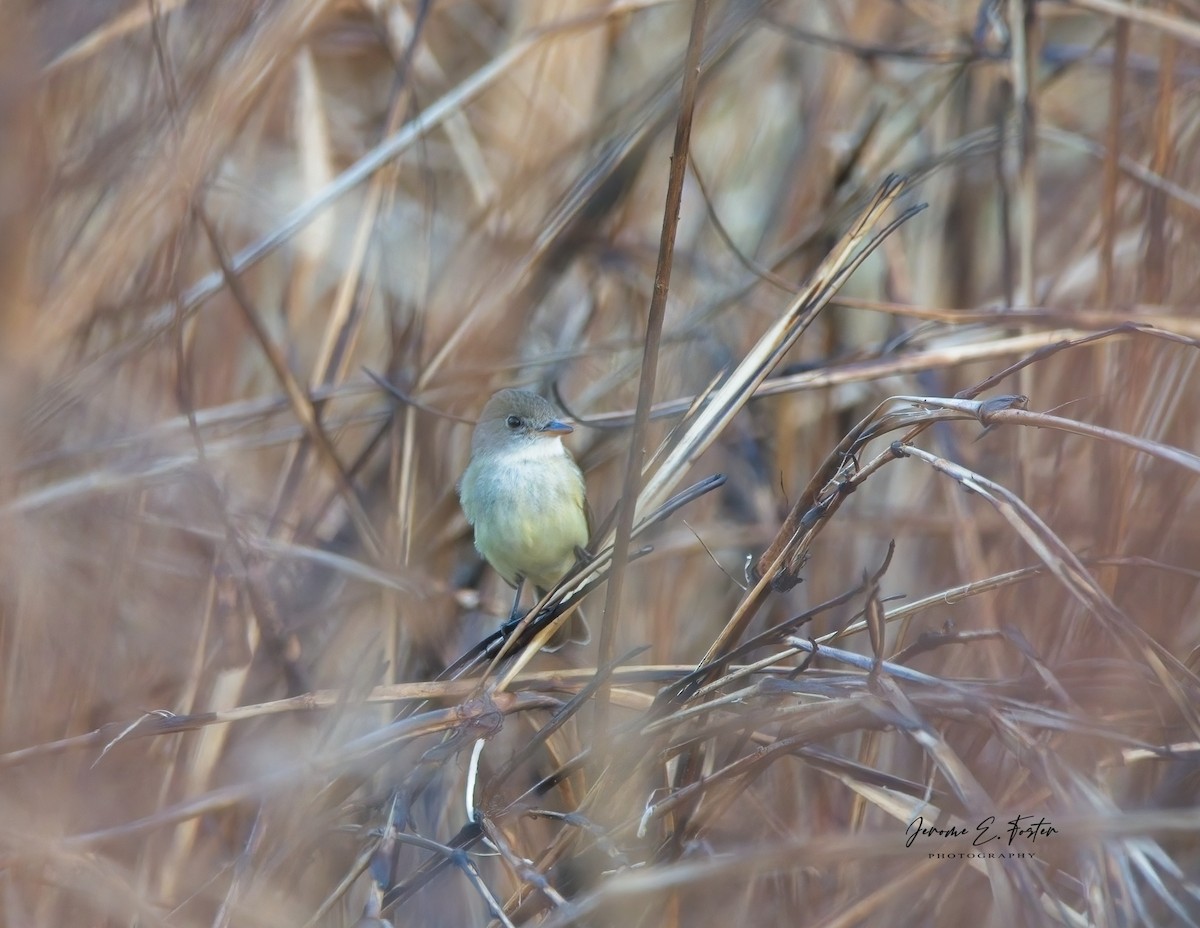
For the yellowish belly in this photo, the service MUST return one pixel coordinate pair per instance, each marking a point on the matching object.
(528, 518)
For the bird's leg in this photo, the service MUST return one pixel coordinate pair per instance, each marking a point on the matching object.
(583, 555)
(516, 609)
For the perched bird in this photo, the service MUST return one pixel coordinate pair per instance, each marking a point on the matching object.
(524, 495)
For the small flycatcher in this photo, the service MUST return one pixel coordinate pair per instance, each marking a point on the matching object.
(524, 494)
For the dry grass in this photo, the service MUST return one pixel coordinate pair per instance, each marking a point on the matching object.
(239, 605)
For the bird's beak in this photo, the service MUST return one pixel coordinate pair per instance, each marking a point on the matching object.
(555, 427)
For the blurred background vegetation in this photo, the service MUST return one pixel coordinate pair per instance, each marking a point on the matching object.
(214, 214)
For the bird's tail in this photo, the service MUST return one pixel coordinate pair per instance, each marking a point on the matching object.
(574, 630)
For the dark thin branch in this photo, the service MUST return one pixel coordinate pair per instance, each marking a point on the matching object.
(654, 324)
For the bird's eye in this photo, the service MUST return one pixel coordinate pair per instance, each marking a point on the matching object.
(513, 422)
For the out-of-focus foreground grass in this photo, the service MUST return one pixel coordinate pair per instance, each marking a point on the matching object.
(233, 571)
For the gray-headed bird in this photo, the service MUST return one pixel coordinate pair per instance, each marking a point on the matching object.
(524, 494)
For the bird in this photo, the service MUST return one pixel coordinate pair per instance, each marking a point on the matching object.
(525, 496)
